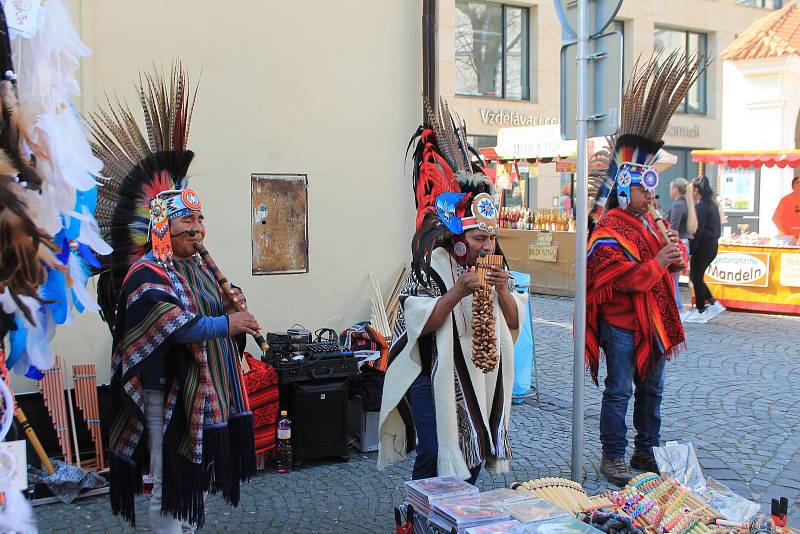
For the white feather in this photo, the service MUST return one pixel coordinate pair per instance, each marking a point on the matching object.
(90, 234)
(17, 515)
(79, 279)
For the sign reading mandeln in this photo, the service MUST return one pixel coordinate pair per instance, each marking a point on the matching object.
(739, 269)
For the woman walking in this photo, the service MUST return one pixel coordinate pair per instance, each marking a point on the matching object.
(683, 219)
(704, 250)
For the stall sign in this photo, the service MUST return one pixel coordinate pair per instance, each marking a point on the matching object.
(543, 253)
(790, 270)
(565, 166)
(533, 142)
(544, 238)
(738, 189)
(739, 269)
(503, 178)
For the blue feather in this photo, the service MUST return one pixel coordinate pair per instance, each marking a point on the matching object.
(34, 373)
(18, 338)
(88, 256)
(55, 290)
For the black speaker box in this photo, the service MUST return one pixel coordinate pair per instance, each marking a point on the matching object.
(318, 412)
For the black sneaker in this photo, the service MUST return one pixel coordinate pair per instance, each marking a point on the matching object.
(616, 471)
(644, 461)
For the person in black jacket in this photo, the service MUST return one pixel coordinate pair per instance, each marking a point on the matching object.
(703, 249)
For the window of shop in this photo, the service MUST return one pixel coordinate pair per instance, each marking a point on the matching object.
(691, 42)
(768, 4)
(482, 141)
(492, 50)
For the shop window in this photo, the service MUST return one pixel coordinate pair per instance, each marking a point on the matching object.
(667, 40)
(492, 50)
(767, 4)
(482, 141)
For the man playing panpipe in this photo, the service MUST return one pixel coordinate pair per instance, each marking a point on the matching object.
(177, 399)
(460, 412)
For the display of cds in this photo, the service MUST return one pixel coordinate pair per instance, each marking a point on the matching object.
(561, 525)
(420, 492)
(464, 511)
(505, 527)
(533, 510)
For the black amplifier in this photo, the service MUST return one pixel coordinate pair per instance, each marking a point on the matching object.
(289, 337)
(286, 348)
(320, 366)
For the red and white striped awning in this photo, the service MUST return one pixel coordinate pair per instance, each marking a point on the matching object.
(764, 158)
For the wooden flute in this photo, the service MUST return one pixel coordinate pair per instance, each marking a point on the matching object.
(226, 287)
(662, 228)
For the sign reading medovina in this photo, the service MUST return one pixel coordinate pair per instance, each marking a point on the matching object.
(739, 269)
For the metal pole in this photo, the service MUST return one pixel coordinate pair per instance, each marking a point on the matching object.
(582, 230)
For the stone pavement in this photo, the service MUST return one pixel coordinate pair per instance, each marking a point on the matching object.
(733, 394)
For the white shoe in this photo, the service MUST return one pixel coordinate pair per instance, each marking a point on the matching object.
(697, 317)
(715, 309)
(686, 313)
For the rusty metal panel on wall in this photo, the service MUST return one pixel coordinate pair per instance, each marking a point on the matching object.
(279, 206)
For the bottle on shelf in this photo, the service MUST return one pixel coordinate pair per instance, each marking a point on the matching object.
(283, 453)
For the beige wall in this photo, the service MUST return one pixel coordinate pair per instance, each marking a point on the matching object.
(330, 89)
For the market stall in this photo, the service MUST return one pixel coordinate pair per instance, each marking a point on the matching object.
(538, 237)
(752, 272)
(680, 500)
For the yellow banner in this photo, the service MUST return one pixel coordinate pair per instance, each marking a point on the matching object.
(543, 253)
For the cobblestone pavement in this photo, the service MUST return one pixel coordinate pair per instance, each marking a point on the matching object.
(733, 394)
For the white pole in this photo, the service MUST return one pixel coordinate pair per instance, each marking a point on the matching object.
(580, 243)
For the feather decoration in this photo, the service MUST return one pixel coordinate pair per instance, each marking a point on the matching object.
(43, 135)
(654, 91)
(139, 162)
(442, 161)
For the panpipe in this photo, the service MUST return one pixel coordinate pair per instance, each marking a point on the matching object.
(661, 504)
(484, 341)
(52, 388)
(85, 377)
(566, 494)
(378, 317)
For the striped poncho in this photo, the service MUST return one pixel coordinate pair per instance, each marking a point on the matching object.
(208, 432)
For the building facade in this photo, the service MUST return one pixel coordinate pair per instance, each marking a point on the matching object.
(499, 66)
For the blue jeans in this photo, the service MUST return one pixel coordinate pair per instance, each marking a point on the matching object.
(618, 345)
(422, 409)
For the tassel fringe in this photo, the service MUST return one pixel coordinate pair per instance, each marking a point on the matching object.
(125, 484)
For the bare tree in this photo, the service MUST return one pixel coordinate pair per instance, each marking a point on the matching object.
(479, 45)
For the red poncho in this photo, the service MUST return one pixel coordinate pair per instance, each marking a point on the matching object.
(628, 287)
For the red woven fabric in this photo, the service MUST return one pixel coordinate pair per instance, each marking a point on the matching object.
(261, 384)
(621, 249)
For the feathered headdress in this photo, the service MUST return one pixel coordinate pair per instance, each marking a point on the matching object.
(147, 175)
(655, 90)
(451, 191)
(26, 250)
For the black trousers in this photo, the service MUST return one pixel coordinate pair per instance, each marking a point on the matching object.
(701, 259)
